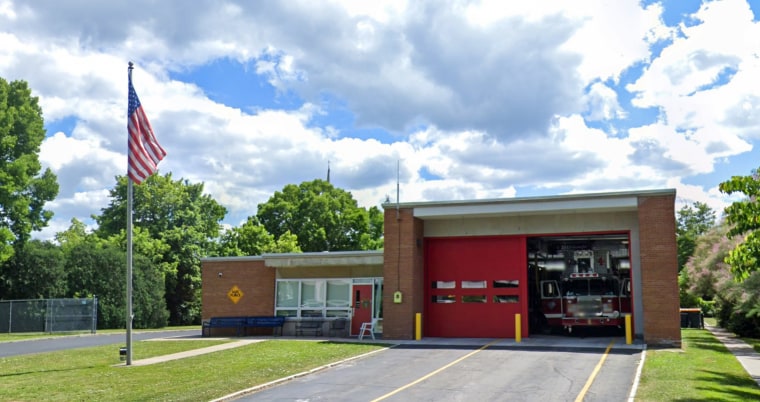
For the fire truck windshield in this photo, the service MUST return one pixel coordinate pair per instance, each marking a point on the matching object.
(591, 287)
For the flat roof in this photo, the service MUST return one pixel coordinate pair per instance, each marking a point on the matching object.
(568, 203)
(311, 259)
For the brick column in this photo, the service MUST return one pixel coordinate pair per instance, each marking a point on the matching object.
(659, 270)
(403, 263)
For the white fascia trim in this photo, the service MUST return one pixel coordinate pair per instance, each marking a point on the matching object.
(527, 207)
(359, 258)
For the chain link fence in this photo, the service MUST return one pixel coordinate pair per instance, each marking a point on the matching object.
(48, 315)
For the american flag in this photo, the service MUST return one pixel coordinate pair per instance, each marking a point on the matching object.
(144, 150)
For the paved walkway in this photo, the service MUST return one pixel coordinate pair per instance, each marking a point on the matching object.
(194, 352)
(747, 356)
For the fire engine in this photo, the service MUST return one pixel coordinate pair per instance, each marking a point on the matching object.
(590, 292)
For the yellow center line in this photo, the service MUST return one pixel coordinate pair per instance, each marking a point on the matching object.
(591, 378)
(397, 390)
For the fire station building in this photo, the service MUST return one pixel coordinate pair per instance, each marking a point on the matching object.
(475, 269)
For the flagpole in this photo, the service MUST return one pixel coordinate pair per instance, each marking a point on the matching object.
(143, 155)
(129, 248)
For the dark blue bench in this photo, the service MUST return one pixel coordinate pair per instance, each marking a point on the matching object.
(224, 322)
(265, 322)
(241, 324)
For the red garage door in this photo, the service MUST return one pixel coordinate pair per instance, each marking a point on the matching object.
(475, 286)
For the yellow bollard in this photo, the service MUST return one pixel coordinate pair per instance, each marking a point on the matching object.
(628, 335)
(417, 326)
(518, 328)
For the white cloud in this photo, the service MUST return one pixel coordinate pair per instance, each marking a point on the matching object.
(705, 84)
(476, 99)
(721, 41)
(602, 103)
(610, 36)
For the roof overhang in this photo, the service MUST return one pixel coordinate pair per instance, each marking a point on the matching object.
(318, 259)
(325, 259)
(572, 203)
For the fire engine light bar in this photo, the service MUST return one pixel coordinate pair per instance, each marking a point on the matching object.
(584, 275)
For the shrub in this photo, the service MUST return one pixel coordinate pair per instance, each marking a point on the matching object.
(737, 306)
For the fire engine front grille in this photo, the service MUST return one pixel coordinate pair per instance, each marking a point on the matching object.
(588, 306)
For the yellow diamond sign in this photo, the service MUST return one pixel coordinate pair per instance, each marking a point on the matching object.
(235, 294)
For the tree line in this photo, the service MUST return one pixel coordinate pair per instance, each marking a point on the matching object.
(719, 260)
(174, 225)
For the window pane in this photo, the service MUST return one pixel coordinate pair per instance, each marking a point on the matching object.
(379, 299)
(444, 299)
(311, 313)
(287, 294)
(474, 299)
(312, 294)
(473, 284)
(287, 313)
(506, 299)
(443, 284)
(338, 313)
(576, 288)
(549, 289)
(506, 284)
(604, 288)
(338, 293)
(626, 289)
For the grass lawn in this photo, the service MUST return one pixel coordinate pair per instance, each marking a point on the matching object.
(96, 373)
(703, 370)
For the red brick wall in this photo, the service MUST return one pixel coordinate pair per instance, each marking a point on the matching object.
(402, 270)
(659, 270)
(256, 281)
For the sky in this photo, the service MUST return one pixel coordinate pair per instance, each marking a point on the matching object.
(449, 100)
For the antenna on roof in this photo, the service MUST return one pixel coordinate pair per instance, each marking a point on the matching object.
(398, 163)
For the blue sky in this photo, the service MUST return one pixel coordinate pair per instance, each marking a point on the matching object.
(472, 99)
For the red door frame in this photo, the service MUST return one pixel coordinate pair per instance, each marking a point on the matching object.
(361, 305)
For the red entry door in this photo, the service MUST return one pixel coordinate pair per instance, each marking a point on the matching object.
(362, 306)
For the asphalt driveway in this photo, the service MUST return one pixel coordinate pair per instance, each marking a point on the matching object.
(557, 369)
(541, 368)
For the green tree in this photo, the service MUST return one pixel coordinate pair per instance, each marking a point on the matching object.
(23, 190)
(36, 271)
(251, 238)
(692, 221)
(373, 239)
(738, 306)
(185, 220)
(322, 217)
(98, 270)
(149, 272)
(287, 243)
(744, 220)
(98, 267)
(75, 234)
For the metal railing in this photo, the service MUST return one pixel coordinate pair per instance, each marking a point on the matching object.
(49, 315)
